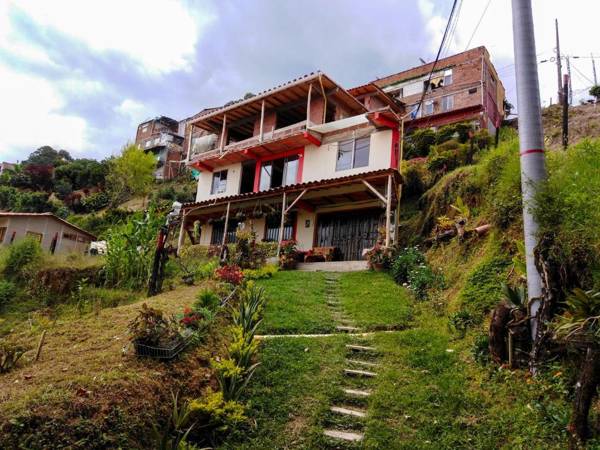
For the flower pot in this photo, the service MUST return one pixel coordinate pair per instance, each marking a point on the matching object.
(378, 267)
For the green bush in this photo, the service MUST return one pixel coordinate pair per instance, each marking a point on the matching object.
(207, 299)
(418, 143)
(217, 413)
(23, 257)
(421, 279)
(481, 349)
(406, 260)
(95, 202)
(8, 290)
(266, 271)
(460, 321)
(483, 287)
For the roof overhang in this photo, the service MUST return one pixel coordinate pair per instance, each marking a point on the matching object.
(370, 89)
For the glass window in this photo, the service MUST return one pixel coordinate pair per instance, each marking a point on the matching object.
(279, 172)
(447, 103)
(219, 182)
(428, 108)
(344, 156)
(447, 77)
(361, 152)
(354, 153)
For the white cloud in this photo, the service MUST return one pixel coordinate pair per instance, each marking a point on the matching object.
(495, 32)
(160, 35)
(33, 118)
(134, 111)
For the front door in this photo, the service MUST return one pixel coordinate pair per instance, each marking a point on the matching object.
(350, 232)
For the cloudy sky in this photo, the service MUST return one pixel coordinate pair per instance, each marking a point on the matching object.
(80, 75)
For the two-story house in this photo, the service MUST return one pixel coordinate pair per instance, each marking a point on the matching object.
(161, 137)
(306, 160)
(463, 87)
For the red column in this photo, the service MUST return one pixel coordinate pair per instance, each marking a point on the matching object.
(257, 175)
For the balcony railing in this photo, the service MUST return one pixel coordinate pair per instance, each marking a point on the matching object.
(206, 148)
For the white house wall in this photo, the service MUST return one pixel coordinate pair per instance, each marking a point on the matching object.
(233, 182)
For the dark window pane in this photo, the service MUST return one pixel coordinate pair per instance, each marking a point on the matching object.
(344, 156)
(265, 176)
(277, 175)
(361, 152)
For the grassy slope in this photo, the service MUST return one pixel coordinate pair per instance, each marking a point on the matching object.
(296, 304)
(374, 301)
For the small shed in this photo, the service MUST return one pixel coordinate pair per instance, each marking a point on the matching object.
(55, 235)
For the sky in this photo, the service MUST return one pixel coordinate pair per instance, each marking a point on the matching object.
(81, 75)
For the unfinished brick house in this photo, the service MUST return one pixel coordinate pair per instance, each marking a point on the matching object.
(161, 137)
(305, 160)
(463, 87)
(311, 161)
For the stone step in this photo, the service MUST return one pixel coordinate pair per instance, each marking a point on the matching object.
(330, 303)
(359, 373)
(361, 348)
(344, 435)
(347, 329)
(357, 393)
(348, 411)
(362, 363)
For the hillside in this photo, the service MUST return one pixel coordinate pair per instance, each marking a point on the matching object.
(584, 122)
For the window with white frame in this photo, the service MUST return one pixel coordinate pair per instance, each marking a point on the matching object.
(428, 108)
(219, 182)
(447, 103)
(448, 77)
(353, 153)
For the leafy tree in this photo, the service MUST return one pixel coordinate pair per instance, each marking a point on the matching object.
(130, 174)
(595, 92)
(82, 173)
(41, 176)
(47, 156)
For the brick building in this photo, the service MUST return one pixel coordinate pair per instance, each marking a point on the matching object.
(161, 137)
(463, 87)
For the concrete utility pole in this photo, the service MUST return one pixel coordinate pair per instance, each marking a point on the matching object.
(594, 69)
(558, 64)
(531, 142)
(568, 95)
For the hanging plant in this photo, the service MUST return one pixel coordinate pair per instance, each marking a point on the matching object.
(240, 215)
(258, 212)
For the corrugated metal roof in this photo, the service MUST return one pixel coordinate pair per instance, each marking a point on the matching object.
(290, 187)
(46, 214)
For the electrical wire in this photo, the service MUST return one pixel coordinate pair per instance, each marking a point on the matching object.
(581, 73)
(452, 29)
(437, 56)
(478, 23)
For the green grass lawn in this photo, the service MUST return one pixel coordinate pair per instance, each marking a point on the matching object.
(290, 392)
(296, 304)
(374, 301)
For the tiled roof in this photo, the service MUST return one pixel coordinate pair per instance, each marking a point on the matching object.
(46, 214)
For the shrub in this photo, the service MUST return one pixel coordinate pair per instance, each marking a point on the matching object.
(416, 177)
(287, 254)
(216, 412)
(229, 274)
(419, 142)
(483, 287)
(96, 201)
(422, 278)
(404, 262)
(460, 321)
(9, 356)
(247, 254)
(379, 257)
(266, 271)
(8, 290)
(22, 257)
(231, 378)
(207, 299)
(196, 318)
(481, 349)
(247, 315)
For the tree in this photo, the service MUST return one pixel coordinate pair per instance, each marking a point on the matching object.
(130, 174)
(47, 156)
(595, 92)
(82, 173)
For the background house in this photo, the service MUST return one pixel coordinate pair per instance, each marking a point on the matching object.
(161, 137)
(54, 234)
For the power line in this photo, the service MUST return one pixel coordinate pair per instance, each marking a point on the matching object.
(478, 23)
(437, 56)
(581, 73)
(452, 29)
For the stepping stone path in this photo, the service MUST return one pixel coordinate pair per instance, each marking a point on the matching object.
(345, 420)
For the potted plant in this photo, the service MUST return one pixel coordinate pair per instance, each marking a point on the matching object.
(287, 255)
(378, 257)
(154, 335)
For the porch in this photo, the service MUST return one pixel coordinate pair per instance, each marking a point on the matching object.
(343, 213)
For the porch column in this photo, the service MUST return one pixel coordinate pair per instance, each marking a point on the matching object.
(280, 237)
(388, 210)
(262, 120)
(308, 105)
(189, 149)
(181, 235)
(222, 141)
(226, 224)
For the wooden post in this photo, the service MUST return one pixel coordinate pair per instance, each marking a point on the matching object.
(181, 235)
(400, 185)
(280, 237)
(308, 105)
(388, 209)
(39, 347)
(262, 120)
(222, 141)
(189, 150)
(226, 224)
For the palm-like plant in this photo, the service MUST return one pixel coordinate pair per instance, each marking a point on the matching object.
(582, 316)
(515, 296)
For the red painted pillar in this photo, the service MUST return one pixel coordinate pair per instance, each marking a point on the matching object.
(395, 141)
(257, 175)
(300, 166)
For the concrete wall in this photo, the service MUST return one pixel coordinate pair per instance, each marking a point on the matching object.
(234, 172)
(48, 227)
